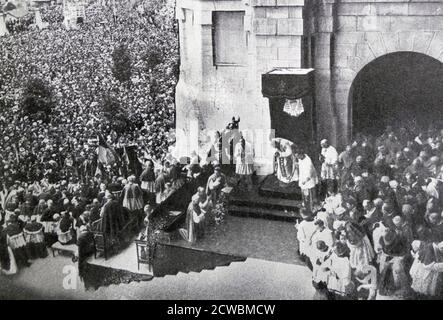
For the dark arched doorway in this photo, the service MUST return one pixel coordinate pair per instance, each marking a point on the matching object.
(398, 89)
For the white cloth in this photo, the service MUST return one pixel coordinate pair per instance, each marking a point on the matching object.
(244, 165)
(340, 275)
(324, 235)
(34, 236)
(329, 168)
(326, 217)
(308, 178)
(12, 264)
(377, 234)
(294, 107)
(319, 261)
(16, 241)
(304, 233)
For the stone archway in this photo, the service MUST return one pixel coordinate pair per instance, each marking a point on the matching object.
(354, 51)
(399, 89)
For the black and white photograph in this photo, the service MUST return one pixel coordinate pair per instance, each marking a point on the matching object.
(238, 151)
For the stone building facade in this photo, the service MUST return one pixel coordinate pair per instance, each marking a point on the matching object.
(220, 76)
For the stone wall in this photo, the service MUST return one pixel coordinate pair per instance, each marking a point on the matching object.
(349, 34)
(208, 96)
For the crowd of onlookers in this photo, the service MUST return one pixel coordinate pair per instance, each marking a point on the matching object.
(54, 185)
(379, 231)
(77, 67)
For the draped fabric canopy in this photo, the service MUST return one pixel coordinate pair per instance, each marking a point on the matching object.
(288, 83)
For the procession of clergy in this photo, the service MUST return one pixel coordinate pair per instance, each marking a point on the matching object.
(378, 233)
(372, 223)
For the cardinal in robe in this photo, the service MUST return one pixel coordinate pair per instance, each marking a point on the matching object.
(285, 160)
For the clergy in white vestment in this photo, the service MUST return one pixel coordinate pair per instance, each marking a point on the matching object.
(329, 166)
(286, 161)
(244, 164)
(305, 230)
(308, 179)
(340, 272)
(322, 233)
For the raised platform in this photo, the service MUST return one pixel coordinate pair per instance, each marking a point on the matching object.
(266, 201)
(273, 188)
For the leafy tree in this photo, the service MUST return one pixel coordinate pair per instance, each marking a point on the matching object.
(37, 99)
(153, 57)
(122, 64)
(115, 115)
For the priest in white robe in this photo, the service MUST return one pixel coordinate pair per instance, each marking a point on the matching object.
(329, 167)
(308, 179)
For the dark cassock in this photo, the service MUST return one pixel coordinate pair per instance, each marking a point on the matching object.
(65, 231)
(86, 248)
(147, 179)
(112, 220)
(5, 262)
(35, 239)
(16, 241)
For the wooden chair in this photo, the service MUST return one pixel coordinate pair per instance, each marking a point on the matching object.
(142, 245)
(100, 243)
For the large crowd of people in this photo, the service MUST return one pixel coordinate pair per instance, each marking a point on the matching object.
(378, 232)
(55, 184)
(77, 67)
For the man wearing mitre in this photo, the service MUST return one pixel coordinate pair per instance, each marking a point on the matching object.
(285, 161)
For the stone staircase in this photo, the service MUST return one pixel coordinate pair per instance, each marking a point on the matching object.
(172, 260)
(256, 206)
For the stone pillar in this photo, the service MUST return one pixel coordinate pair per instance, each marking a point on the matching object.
(3, 30)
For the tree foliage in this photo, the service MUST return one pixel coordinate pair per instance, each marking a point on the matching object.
(122, 64)
(115, 114)
(37, 100)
